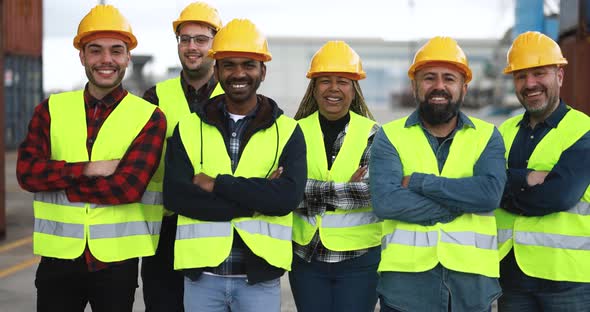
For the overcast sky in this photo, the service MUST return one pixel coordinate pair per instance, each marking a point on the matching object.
(151, 21)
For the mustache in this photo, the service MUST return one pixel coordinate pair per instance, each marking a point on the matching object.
(106, 66)
(199, 54)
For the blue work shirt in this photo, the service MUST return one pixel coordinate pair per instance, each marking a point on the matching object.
(564, 186)
(429, 199)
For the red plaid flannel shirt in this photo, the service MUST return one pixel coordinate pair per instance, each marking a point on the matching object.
(36, 172)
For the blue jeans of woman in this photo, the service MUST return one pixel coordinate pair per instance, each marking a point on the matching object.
(347, 286)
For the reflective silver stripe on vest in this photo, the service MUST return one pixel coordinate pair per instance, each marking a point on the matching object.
(267, 229)
(403, 237)
(60, 198)
(504, 235)
(429, 239)
(552, 240)
(124, 229)
(200, 230)
(581, 208)
(152, 198)
(57, 198)
(349, 219)
(59, 228)
(308, 219)
(470, 239)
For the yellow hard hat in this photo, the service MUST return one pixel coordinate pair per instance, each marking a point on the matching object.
(533, 49)
(104, 21)
(198, 12)
(442, 50)
(336, 57)
(240, 38)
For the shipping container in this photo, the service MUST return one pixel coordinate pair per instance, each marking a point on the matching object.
(574, 40)
(575, 91)
(22, 27)
(568, 16)
(23, 90)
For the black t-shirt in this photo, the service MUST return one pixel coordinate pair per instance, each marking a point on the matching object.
(331, 129)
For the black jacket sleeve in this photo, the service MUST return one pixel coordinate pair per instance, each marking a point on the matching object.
(277, 197)
(187, 199)
(151, 96)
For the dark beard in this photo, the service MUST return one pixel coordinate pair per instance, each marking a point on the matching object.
(438, 114)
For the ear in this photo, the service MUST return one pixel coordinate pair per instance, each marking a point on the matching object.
(464, 89)
(560, 74)
(262, 71)
(81, 55)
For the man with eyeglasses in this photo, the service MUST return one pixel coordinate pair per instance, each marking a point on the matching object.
(194, 29)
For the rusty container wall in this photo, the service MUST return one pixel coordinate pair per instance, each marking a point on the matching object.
(575, 90)
(574, 41)
(23, 27)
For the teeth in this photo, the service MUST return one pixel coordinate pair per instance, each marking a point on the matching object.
(534, 93)
(238, 86)
(333, 99)
(106, 71)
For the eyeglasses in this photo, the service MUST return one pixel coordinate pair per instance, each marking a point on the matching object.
(199, 40)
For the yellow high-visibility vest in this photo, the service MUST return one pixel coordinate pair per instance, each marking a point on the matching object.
(555, 246)
(339, 230)
(113, 232)
(207, 244)
(466, 244)
(174, 105)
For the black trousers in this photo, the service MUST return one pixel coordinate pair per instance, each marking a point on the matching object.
(68, 286)
(163, 288)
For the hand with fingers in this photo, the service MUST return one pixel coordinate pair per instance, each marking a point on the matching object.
(101, 168)
(359, 174)
(536, 177)
(276, 174)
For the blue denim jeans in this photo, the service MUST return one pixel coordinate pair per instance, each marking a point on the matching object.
(525, 293)
(564, 297)
(385, 308)
(347, 286)
(224, 294)
(438, 289)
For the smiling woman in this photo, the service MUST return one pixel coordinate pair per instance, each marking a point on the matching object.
(336, 238)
